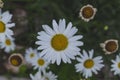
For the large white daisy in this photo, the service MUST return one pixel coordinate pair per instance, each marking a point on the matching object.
(116, 65)
(59, 43)
(87, 64)
(49, 76)
(30, 54)
(5, 25)
(37, 76)
(40, 63)
(8, 44)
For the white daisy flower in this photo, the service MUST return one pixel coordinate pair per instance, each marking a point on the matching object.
(40, 63)
(49, 76)
(8, 44)
(5, 25)
(30, 54)
(87, 12)
(87, 64)
(37, 76)
(116, 65)
(59, 43)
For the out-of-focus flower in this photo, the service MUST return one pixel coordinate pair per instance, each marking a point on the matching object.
(5, 25)
(87, 64)
(110, 46)
(46, 76)
(30, 54)
(106, 28)
(37, 76)
(21, 19)
(49, 76)
(82, 79)
(116, 65)
(87, 12)
(1, 4)
(59, 44)
(8, 44)
(16, 59)
(11, 68)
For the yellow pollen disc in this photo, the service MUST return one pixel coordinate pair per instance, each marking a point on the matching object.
(87, 12)
(59, 42)
(41, 62)
(32, 55)
(8, 42)
(111, 46)
(2, 27)
(119, 65)
(16, 60)
(89, 63)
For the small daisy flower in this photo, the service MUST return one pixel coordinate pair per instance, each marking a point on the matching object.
(37, 76)
(8, 44)
(110, 46)
(116, 65)
(16, 59)
(87, 12)
(87, 64)
(30, 54)
(40, 63)
(5, 25)
(59, 44)
(49, 76)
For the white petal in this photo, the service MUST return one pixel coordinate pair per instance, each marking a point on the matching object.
(6, 17)
(62, 25)
(91, 54)
(64, 58)
(10, 25)
(55, 26)
(72, 32)
(76, 38)
(48, 30)
(85, 54)
(67, 30)
(58, 59)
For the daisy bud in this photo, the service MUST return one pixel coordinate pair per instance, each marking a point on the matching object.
(110, 46)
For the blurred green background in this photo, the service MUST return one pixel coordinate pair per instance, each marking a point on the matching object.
(29, 15)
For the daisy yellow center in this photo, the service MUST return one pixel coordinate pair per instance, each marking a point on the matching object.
(119, 65)
(15, 60)
(32, 55)
(59, 42)
(2, 27)
(8, 42)
(111, 46)
(87, 12)
(41, 62)
(89, 63)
